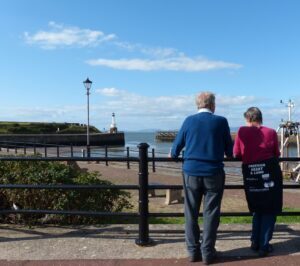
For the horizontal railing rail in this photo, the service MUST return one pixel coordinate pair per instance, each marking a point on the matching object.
(85, 213)
(72, 187)
(71, 159)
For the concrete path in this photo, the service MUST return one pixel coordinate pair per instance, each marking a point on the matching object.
(115, 245)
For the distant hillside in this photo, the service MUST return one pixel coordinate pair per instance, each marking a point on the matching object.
(44, 128)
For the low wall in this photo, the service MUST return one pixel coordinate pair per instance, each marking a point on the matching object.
(96, 139)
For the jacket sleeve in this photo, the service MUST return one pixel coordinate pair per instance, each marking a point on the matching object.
(228, 141)
(179, 142)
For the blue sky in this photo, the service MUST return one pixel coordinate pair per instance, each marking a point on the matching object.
(147, 59)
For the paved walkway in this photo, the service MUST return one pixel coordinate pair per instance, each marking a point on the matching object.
(115, 245)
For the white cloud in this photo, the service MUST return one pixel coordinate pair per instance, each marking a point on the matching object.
(225, 100)
(126, 45)
(35, 114)
(160, 58)
(66, 36)
(135, 111)
(181, 63)
(153, 58)
(159, 52)
(146, 105)
(168, 112)
(111, 92)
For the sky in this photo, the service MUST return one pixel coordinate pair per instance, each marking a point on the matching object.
(147, 60)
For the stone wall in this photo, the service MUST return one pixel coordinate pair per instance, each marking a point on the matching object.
(99, 139)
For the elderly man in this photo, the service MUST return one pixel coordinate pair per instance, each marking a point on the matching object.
(206, 138)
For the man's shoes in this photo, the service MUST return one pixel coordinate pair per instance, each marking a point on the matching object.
(264, 252)
(210, 259)
(195, 257)
(254, 246)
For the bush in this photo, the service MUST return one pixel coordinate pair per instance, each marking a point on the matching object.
(43, 172)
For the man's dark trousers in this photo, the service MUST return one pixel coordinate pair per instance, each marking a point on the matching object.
(195, 187)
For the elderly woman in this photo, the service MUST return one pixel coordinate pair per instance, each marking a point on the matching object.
(258, 148)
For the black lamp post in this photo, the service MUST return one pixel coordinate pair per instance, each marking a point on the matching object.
(88, 84)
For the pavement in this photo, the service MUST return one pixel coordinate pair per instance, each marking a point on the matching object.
(115, 245)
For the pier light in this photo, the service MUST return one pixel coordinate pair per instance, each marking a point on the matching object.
(88, 84)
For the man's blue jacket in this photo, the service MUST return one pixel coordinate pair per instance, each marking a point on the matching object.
(206, 138)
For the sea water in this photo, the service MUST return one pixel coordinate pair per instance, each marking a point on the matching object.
(132, 140)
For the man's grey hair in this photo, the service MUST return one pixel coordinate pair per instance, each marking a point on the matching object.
(205, 100)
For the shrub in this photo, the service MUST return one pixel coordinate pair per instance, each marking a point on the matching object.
(43, 172)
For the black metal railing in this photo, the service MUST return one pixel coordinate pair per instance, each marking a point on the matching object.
(55, 150)
(143, 187)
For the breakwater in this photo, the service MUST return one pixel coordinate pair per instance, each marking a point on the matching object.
(96, 139)
(169, 136)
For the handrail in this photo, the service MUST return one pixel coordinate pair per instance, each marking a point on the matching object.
(143, 214)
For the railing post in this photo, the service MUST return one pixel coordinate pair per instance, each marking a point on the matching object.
(106, 152)
(88, 151)
(46, 152)
(153, 162)
(34, 150)
(72, 152)
(57, 151)
(127, 153)
(143, 239)
(25, 150)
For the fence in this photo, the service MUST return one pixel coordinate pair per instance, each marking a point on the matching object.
(48, 150)
(143, 186)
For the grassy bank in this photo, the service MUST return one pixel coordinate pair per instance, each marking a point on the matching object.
(44, 128)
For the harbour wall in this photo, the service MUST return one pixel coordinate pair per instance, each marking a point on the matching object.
(96, 139)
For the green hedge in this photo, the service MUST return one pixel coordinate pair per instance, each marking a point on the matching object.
(43, 172)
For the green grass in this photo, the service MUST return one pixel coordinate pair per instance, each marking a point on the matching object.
(43, 128)
(224, 220)
(229, 220)
(180, 220)
(289, 219)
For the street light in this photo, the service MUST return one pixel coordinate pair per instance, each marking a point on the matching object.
(88, 84)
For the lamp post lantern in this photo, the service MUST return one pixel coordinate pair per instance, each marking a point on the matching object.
(88, 84)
